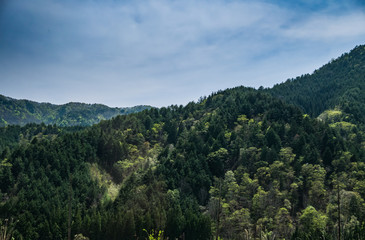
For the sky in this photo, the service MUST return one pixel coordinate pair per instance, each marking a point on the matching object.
(161, 52)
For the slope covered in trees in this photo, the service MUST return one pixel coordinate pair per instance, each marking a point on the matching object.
(21, 112)
(239, 164)
(340, 83)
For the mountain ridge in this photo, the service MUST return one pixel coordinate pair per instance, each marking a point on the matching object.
(23, 111)
(326, 88)
(339, 83)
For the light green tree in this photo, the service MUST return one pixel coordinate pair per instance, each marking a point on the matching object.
(312, 223)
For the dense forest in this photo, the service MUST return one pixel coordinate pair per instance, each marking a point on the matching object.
(21, 112)
(340, 83)
(238, 164)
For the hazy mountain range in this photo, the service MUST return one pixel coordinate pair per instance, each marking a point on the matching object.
(21, 112)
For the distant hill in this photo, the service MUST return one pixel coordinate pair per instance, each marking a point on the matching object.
(339, 84)
(21, 112)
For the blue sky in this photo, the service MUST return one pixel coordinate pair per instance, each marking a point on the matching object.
(163, 52)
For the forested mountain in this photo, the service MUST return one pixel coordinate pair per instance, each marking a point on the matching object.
(338, 84)
(239, 164)
(21, 112)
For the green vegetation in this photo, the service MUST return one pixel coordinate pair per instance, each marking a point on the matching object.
(239, 164)
(104, 180)
(340, 83)
(21, 112)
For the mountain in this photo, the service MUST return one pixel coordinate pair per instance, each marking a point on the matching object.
(239, 164)
(21, 112)
(339, 84)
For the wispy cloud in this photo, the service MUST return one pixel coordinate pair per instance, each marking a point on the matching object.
(164, 52)
(329, 27)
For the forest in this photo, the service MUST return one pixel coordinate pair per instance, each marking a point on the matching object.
(286, 162)
(22, 112)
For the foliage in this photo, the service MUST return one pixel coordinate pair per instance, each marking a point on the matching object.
(153, 236)
(21, 112)
(339, 84)
(238, 164)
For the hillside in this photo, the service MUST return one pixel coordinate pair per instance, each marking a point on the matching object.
(239, 164)
(338, 84)
(21, 112)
